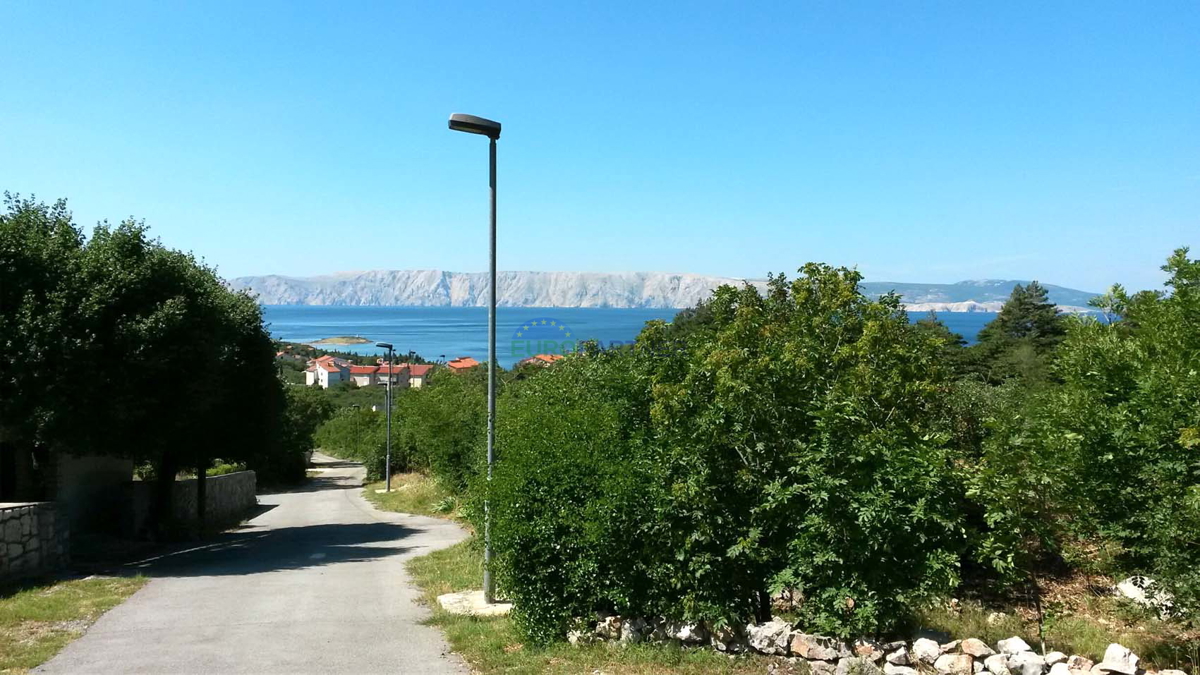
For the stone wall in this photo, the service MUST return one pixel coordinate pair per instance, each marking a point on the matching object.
(34, 538)
(228, 499)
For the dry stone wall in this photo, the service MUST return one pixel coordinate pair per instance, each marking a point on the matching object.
(34, 539)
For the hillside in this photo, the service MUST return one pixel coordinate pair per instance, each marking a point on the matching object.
(433, 288)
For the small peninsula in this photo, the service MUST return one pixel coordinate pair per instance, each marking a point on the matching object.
(344, 340)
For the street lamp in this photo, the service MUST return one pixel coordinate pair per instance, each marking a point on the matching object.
(478, 125)
(387, 462)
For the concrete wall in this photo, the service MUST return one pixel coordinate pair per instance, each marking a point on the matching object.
(33, 539)
(228, 499)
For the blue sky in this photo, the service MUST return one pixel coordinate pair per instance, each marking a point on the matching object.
(929, 141)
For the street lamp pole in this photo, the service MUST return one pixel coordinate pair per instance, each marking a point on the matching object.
(387, 461)
(478, 125)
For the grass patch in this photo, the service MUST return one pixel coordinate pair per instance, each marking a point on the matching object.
(36, 622)
(1086, 628)
(493, 645)
(414, 493)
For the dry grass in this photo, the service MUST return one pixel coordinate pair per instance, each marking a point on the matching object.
(1081, 617)
(414, 493)
(37, 621)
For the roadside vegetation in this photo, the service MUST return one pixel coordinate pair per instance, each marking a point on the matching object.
(811, 452)
(496, 645)
(37, 621)
(414, 493)
(131, 349)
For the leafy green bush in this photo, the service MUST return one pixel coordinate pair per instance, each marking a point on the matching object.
(801, 454)
(789, 443)
(1131, 396)
(356, 434)
(574, 529)
(442, 426)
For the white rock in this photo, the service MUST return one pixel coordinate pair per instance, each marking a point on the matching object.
(1118, 659)
(1060, 669)
(770, 638)
(892, 669)
(950, 647)
(854, 665)
(609, 628)
(926, 650)
(1013, 645)
(689, 633)
(728, 639)
(954, 664)
(997, 664)
(1078, 662)
(1146, 592)
(977, 648)
(1027, 663)
(824, 668)
(1171, 671)
(634, 631)
(1055, 658)
(817, 647)
(868, 649)
(898, 657)
(579, 637)
(977, 666)
(995, 618)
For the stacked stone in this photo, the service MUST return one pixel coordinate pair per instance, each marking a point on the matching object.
(831, 656)
(33, 539)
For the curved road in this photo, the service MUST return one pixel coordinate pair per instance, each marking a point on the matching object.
(314, 584)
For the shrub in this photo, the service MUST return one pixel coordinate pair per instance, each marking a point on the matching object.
(789, 444)
(801, 454)
(357, 434)
(443, 426)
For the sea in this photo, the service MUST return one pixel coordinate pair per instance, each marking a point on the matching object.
(443, 333)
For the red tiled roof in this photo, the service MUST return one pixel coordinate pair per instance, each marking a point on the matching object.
(419, 370)
(462, 363)
(543, 359)
(363, 370)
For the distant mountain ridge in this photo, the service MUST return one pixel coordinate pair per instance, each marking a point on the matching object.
(435, 288)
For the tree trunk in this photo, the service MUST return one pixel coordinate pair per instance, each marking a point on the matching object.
(162, 512)
(201, 495)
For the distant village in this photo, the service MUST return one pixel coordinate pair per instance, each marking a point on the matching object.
(326, 371)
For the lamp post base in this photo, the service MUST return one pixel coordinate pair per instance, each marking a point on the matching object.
(472, 603)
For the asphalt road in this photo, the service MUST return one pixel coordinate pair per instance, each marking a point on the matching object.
(314, 584)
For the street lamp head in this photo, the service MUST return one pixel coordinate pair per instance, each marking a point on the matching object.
(383, 345)
(475, 125)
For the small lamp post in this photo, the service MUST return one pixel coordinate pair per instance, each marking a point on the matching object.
(485, 127)
(387, 461)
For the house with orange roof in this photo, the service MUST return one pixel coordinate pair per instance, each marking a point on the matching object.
(462, 363)
(541, 360)
(418, 373)
(327, 370)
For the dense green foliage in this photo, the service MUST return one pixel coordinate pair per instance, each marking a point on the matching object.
(816, 441)
(1019, 343)
(121, 346)
(789, 441)
(1110, 453)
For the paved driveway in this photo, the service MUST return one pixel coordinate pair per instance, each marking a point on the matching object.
(314, 584)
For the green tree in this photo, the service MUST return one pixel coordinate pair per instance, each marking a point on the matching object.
(788, 443)
(1020, 341)
(143, 352)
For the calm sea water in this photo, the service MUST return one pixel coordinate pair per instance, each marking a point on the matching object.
(450, 332)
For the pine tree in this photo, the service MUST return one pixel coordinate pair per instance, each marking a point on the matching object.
(1020, 340)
